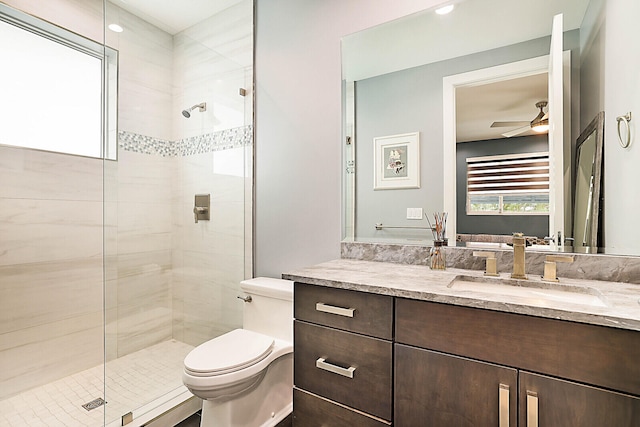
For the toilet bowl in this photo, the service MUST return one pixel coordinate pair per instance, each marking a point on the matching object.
(245, 377)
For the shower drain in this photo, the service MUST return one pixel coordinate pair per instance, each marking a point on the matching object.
(95, 403)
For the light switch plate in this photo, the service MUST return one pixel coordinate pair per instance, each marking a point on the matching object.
(414, 213)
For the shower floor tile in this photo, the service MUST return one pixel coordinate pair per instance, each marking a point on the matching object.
(131, 382)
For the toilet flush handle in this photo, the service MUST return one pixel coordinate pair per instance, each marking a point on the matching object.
(245, 299)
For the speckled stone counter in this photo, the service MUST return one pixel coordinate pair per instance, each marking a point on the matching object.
(620, 308)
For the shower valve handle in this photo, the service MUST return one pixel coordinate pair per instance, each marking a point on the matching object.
(199, 210)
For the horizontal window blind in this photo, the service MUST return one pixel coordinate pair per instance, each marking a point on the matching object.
(510, 174)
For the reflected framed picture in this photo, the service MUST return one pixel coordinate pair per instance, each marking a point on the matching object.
(396, 161)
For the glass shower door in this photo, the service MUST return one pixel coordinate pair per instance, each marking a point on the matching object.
(172, 281)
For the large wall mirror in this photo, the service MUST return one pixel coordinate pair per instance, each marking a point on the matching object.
(472, 84)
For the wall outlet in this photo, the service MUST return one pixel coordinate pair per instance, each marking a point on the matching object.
(414, 213)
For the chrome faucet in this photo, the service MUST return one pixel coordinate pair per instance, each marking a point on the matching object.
(518, 257)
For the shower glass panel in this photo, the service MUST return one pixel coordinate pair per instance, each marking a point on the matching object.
(171, 282)
(106, 280)
(51, 215)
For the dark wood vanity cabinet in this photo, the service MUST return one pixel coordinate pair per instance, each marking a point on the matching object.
(463, 366)
(369, 360)
(343, 357)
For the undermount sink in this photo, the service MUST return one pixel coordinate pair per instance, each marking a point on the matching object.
(530, 292)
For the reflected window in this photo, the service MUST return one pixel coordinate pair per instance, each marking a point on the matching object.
(508, 185)
(51, 83)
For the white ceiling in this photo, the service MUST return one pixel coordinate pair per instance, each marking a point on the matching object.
(477, 107)
(174, 16)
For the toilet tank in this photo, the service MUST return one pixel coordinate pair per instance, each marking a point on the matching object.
(270, 311)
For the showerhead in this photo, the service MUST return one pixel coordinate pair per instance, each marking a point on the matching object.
(201, 107)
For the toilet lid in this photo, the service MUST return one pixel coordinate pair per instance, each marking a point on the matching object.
(227, 353)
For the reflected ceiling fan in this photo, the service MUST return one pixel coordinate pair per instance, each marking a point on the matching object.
(539, 124)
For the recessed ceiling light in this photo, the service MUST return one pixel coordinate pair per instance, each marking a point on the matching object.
(444, 9)
(116, 28)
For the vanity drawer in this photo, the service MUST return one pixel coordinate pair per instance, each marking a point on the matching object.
(354, 311)
(348, 368)
(596, 355)
(313, 411)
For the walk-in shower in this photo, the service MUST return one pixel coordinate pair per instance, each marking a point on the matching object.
(106, 281)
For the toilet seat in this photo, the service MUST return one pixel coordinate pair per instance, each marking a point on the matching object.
(228, 353)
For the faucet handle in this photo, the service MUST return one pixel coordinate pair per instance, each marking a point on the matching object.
(550, 268)
(492, 269)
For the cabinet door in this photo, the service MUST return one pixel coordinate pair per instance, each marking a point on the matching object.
(436, 389)
(546, 401)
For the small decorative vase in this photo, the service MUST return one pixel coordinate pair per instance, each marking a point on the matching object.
(437, 259)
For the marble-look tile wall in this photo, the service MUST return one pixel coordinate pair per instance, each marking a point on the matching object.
(138, 190)
(50, 266)
(213, 60)
(209, 256)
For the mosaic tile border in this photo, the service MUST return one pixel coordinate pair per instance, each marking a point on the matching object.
(217, 141)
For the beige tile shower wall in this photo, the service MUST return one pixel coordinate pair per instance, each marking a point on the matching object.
(208, 257)
(145, 74)
(212, 61)
(138, 291)
(50, 267)
(138, 192)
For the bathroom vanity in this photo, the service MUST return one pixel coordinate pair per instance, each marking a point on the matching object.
(387, 344)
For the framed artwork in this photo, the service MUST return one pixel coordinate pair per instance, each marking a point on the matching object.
(396, 161)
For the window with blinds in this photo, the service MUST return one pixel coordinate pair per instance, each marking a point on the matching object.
(515, 184)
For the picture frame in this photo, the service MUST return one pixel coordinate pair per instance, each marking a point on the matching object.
(396, 161)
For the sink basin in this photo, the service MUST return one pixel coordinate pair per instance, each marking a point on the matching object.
(530, 292)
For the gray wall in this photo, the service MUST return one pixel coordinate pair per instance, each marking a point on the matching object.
(297, 117)
(408, 101)
(530, 225)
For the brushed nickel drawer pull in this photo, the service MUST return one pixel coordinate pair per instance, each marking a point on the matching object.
(345, 372)
(532, 409)
(504, 405)
(332, 309)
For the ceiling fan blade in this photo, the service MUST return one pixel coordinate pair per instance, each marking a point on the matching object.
(545, 117)
(508, 124)
(517, 131)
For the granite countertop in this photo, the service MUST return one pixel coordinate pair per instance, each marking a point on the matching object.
(619, 302)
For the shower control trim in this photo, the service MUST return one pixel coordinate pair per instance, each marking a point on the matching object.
(201, 208)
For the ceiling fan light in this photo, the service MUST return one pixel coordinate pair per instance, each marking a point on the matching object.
(541, 126)
(541, 123)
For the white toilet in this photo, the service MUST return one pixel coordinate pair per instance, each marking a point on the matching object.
(245, 377)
